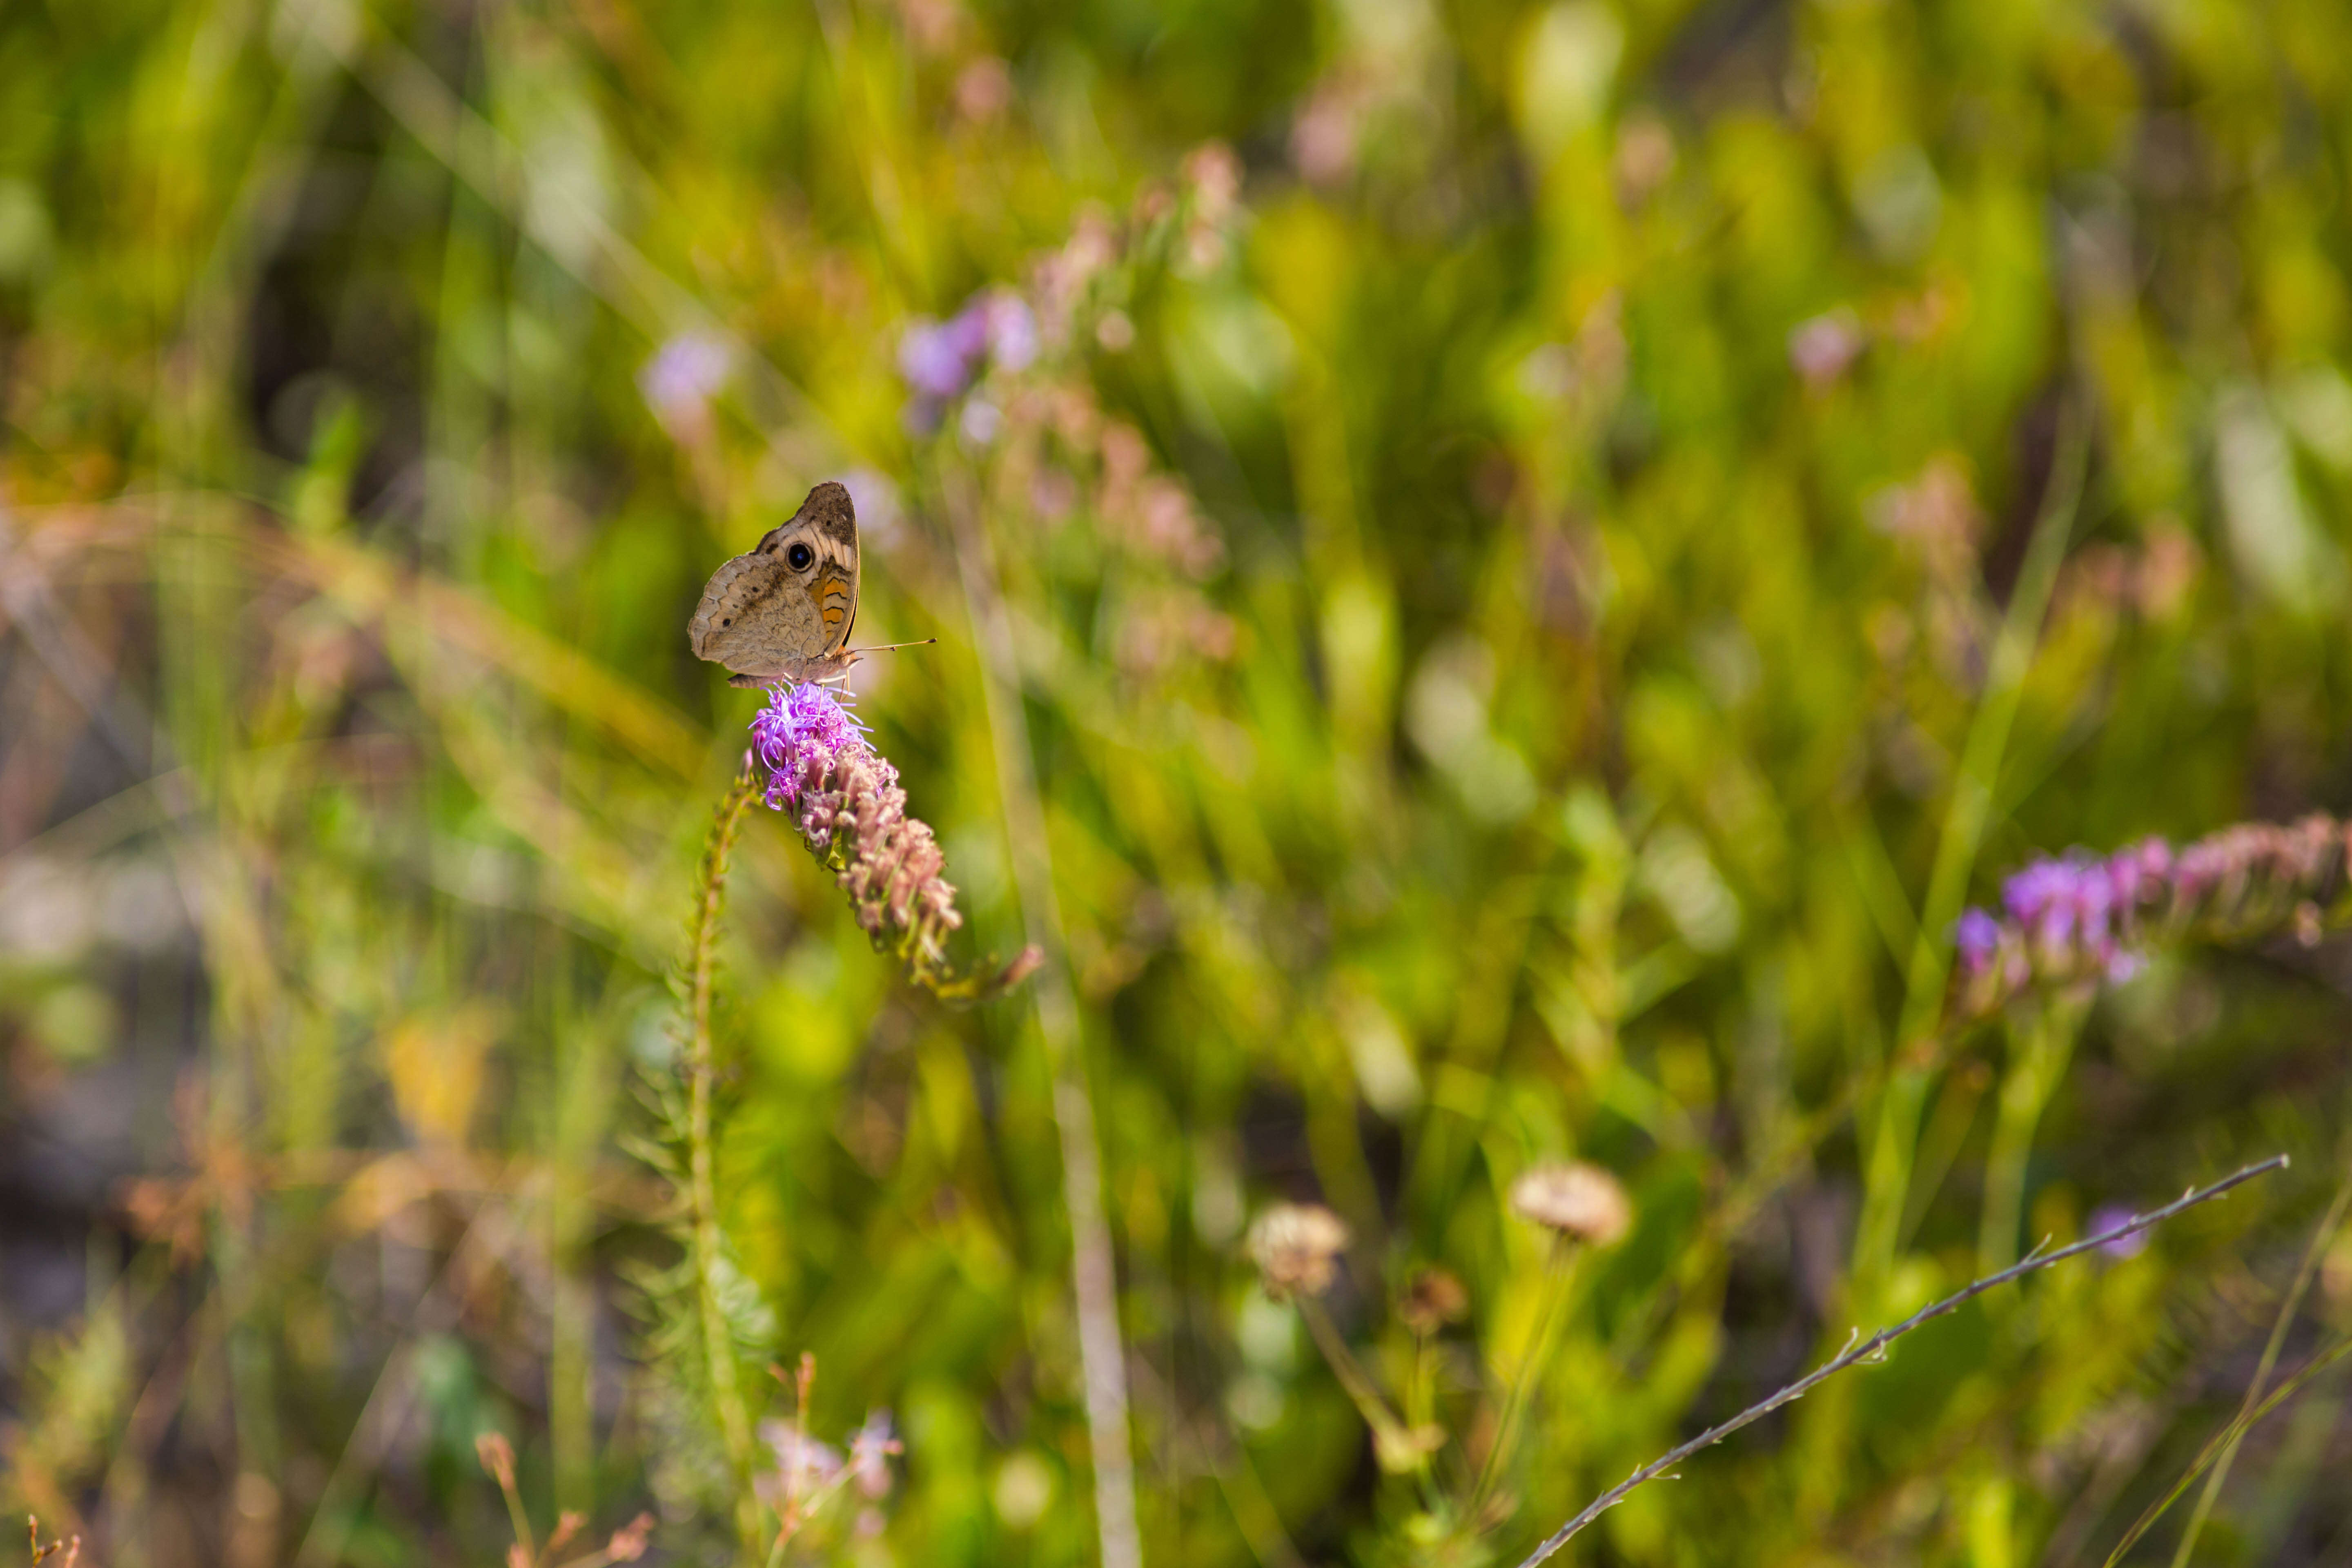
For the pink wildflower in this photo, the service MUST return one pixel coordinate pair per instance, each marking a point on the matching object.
(804, 1466)
(2081, 918)
(870, 1448)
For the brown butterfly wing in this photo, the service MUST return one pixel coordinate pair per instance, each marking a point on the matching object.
(767, 622)
(755, 619)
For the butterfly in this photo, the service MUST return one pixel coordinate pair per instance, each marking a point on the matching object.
(782, 613)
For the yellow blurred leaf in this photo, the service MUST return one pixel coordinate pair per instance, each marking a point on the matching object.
(435, 1063)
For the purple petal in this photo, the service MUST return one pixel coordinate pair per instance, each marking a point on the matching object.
(937, 361)
(1012, 331)
(686, 373)
(1977, 938)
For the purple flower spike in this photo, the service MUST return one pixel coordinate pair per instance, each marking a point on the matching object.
(844, 798)
(2079, 919)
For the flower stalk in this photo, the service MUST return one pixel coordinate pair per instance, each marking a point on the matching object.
(1582, 1205)
(717, 1337)
(1398, 1446)
(1297, 1248)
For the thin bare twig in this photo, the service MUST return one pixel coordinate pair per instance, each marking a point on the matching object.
(71, 1548)
(1858, 1351)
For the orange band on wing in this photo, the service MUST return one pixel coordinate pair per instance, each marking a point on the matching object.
(833, 603)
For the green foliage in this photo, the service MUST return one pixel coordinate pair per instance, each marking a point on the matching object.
(1475, 640)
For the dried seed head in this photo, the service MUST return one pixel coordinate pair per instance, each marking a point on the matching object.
(1575, 1199)
(1433, 1299)
(1293, 1246)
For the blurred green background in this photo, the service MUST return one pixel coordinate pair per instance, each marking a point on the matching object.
(1502, 534)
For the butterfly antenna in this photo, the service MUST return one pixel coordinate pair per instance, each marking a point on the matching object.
(890, 647)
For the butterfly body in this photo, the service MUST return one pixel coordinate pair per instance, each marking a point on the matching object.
(782, 613)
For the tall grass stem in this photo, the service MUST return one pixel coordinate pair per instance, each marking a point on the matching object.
(1102, 1355)
(2286, 1314)
(1886, 1193)
(2038, 1064)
